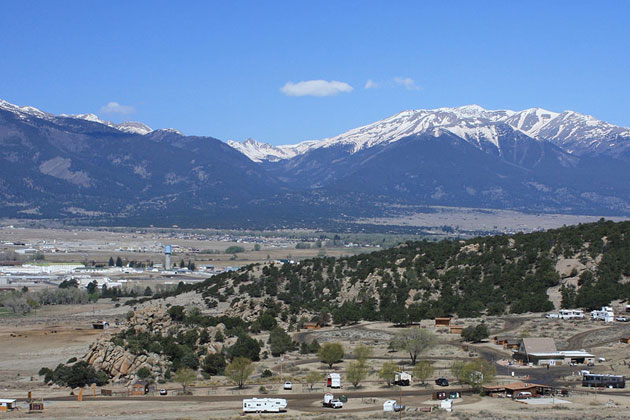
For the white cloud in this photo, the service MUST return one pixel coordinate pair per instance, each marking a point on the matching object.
(116, 108)
(371, 84)
(407, 82)
(315, 88)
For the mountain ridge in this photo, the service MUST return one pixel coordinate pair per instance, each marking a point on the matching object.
(470, 122)
(82, 166)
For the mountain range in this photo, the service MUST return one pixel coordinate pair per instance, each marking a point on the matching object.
(81, 167)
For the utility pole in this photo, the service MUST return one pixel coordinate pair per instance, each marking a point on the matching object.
(401, 405)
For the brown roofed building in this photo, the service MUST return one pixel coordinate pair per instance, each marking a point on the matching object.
(512, 389)
(537, 345)
(442, 322)
(512, 343)
(140, 388)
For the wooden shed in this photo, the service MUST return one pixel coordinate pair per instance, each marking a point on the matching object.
(501, 339)
(312, 325)
(512, 343)
(442, 322)
(140, 388)
(456, 329)
(625, 339)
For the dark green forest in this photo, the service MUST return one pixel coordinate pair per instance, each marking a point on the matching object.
(418, 280)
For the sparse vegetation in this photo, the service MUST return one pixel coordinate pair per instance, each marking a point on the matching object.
(239, 370)
(414, 341)
(330, 353)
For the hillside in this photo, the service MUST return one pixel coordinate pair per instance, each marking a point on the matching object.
(587, 264)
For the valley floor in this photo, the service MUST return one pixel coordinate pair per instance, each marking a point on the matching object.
(54, 334)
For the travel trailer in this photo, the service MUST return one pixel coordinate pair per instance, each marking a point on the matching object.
(571, 314)
(264, 405)
(402, 379)
(605, 314)
(333, 380)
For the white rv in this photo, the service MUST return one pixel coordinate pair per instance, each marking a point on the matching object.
(605, 314)
(571, 314)
(402, 378)
(333, 380)
(264, 405)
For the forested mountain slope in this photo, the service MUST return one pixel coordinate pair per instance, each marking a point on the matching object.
(416, 280)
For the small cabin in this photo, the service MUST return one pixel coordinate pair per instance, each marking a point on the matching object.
(36, 406)
(501, 339)
(442, 322)
(140, 388)
(7, 404)
(312, 325)
(512, 343)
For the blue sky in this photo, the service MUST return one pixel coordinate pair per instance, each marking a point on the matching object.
(233, 69)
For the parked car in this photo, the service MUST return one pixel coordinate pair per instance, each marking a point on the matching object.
(163, 392)
(288, 385)
(552, 316)
(523, 395)
(441, 381)
(622, 319)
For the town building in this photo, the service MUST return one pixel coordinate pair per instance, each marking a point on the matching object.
(513, 389)
(543, 351)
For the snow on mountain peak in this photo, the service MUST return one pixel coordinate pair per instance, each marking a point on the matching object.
(127, 126)
(260, 151)
(471, 123)
(23, 111)
(134, 127)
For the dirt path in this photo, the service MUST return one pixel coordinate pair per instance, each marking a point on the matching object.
(306, 402)
(598, 337)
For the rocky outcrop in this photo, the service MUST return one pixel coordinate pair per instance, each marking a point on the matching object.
(153, 319)
(119, 363)
(108, 355)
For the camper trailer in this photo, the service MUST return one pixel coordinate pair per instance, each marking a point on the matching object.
(333, 380)
(571, 314)
(605, 314)
(402, 379)
(264, 405)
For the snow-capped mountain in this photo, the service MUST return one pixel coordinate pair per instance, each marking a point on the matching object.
(531, 160)
(132, 127)
(573, 132)
(23, 112)
(259, 151)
